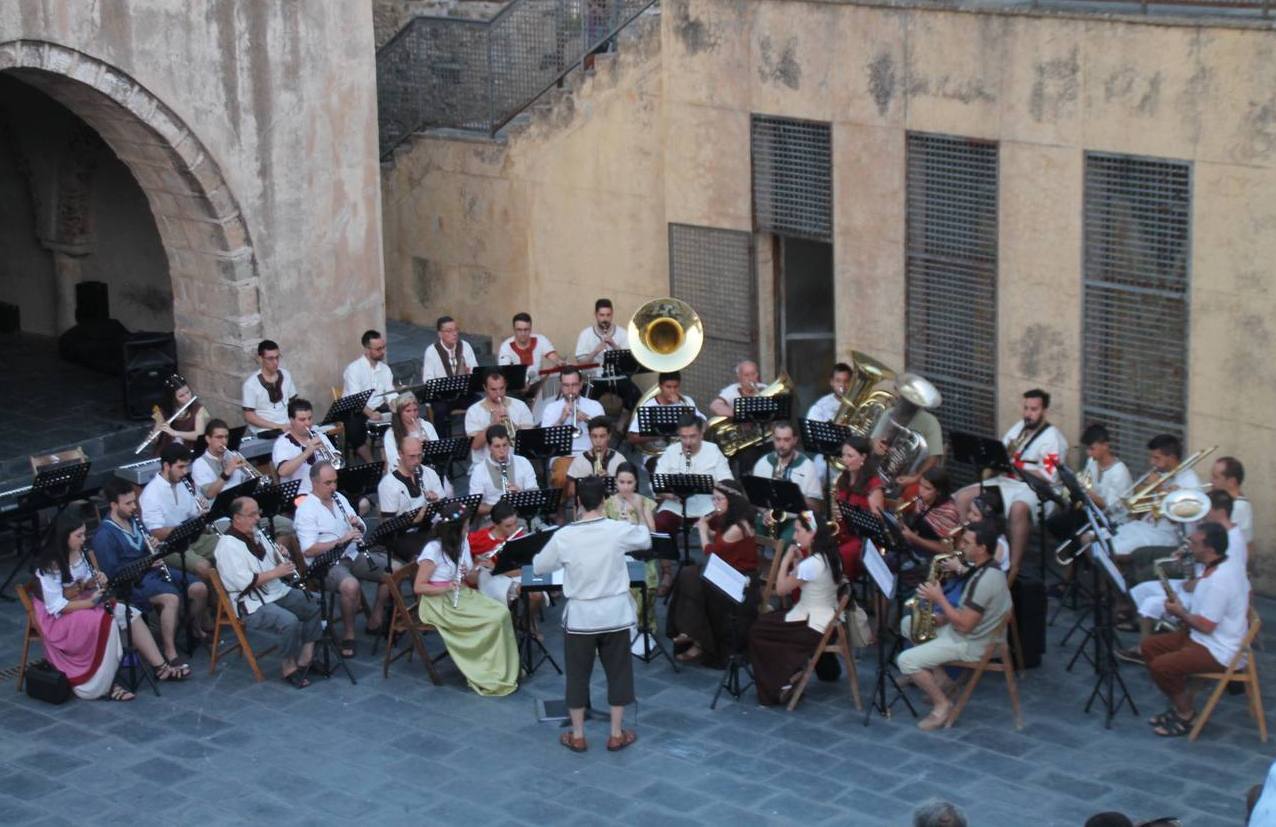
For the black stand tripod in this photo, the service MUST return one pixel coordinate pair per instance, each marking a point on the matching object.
(137, 671)
(1109, 687)
(736, 659)
(684, 487)
(325, 647)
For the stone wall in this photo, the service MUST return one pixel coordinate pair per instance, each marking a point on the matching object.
(251, 128)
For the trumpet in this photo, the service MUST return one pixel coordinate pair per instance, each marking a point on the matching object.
(575, 421)
(325, 453)
(250, 470)
(154, 434)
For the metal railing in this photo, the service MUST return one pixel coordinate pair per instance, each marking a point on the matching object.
(451, 72)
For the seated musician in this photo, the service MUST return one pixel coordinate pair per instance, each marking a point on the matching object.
(1212, 631)
(826, 407)
(367, 373)
(1228, 474)
(858, 486)
(69, 610)
(746, 384)
(498, 582)
(119, 540)
(781, 644)
(930, 519)
(185, 429)
(267, 392)
(1149, 537)
(599, 460)
(572, 409)
(531, 349)
(298, 449)
(1036, 447)
(924, 423)
(255, 574)
(495, 408)
(1108, 478)
(449, 356)
(964, 630)
(405, 421)
(167, 501)
(501, 472)
(670, 393)
(786, 462)
(218, 467)
(689, 455)
(594, 341)
(699, 615)
(628, 506)
(325, 520)
(409, 487)
(477, 630)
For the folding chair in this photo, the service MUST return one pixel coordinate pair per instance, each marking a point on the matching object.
(838, 627)
(404, 622)
(768, 586)
(227, 617)
(32, 633)
(1000, 648)
(1235, 673)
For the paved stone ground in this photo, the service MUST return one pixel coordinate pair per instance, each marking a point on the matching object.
(258, 752)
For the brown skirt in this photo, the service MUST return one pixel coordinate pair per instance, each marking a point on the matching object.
(777, 650)
(703, 613)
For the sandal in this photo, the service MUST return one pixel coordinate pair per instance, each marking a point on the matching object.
(618, 742)
(575, 744)
(297, 678)
(1157, 720)
(168, 672)
(347, 648)
(691, 655)
(183, 668)
(1175, 727)
(119, 693)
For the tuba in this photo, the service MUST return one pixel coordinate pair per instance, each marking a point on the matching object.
(733, 437)
(906, 449)
(665, 334)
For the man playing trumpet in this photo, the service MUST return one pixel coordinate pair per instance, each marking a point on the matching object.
(572, 409)
(297, 449)
(495, 408)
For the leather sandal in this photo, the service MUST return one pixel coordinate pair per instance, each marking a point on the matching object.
(575, 744)
(616, 743)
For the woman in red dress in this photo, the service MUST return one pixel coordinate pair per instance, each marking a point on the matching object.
(860, 487)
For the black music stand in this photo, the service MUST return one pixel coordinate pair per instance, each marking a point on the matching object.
(274, 498)
(537, 501)
(344, 407)
(449, 388)
(660, 420)
(824, 438)
(620, 363)
(774, 495)
(55, 485)
(130, 655)
(663, 547)
(325, 647)
(539, 445)
(515, 377)
(761, 408)
(221, 504)
(518, 554)
(684, 487)
(356, 480)
(468, 505)
(981, 452)
(439, 454)
(736, 660)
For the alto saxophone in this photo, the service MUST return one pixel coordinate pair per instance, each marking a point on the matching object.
(923, 611)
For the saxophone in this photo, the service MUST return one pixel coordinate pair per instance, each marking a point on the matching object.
(923, 611)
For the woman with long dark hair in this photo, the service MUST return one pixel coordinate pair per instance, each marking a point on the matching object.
(477, 629)
(858, 486)
(699, 615)
(188, 427)
(781, 644)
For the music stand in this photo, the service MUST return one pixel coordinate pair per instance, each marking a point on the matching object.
(734, 585)
(468, 505)
(538, 445)
(981, 452)
(663, 547)
(274, 498)
(317, 569)
(221, 504)
(528, 504)
(621, 362)
(357, 480)
(444, 388)
(518, 554)
(775, 496)
(660, 420)
(441, 453)
(825, 439)
(346, 406)
(761, 408)
(55, 485)
(684, 487)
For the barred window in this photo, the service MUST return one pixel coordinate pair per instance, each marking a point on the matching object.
(792, 177)
(951, 279)
(1135, 318)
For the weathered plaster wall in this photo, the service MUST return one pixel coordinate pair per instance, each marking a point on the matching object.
(251, 127)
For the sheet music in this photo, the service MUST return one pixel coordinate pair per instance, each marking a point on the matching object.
(877, 567)
(1098, 552)
(718, 572)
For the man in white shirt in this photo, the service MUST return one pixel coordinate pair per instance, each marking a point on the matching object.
(168, 500)
(408, 487)
(1148, 536)
(746, 384)
(670, 393)
(561, 410)
(300, 447)
(257, 579)
(325, 520)
(1228, 474)
(266, 393)
(368, 372)
(449, 356)
(826, 407)
(786, 462)
(690, 455)
(600, 460)
(604, 335)
(495, 408)
(1036, 447)
(500, 471)
(527, 348)
(599, 612)
(1213, 630)
(1109, 479)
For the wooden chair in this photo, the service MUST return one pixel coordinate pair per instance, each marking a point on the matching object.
(999, 648)
(226, 617)
(838, 628)
(32, 633)
(404, 622)
(1235, 673)
(768, 586)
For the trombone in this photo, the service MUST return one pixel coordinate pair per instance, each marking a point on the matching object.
(1145, 497)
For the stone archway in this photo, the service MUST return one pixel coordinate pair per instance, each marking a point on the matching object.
(216, 303)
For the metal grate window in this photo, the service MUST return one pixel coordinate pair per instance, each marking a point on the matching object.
(951, 273)
(1136, 245)
(792, 177)
(712, 270)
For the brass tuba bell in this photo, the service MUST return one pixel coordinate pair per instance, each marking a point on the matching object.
(665, 334)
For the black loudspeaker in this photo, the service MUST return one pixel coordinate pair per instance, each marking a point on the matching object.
(91, 302)
(1029, 598)
(10, 318)
(95, 345)
(149, 359)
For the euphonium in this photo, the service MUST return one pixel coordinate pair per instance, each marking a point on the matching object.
(923, 611)
(732, 437)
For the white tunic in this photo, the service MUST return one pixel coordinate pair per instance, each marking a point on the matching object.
(165, 504)
(1110, 484)
(801, 471)
(319, 523)
(485, 478)
(478, 419)
(708, 460)
(432, 365)
(393, 496)
(206, 470)
(1243, 516)
(554, 411)
(362, 375)
(595, 574)
(541, 347)
(424, 430)
(1222, 598)
(583, 466)
(732, 392)
(824, 409)
(257, 399)
(589, 339)
(237, 567)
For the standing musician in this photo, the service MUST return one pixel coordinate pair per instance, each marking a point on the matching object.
(786, 462)
(526, 348)
(449, 356)
(690, 455)
(255, 575)
(119, 540)
(266, 393)
(495, 408)
(368, 372)
(501, 472)
(781, 645)
(168, 500)
(965, 629)
(1108, 479)
(572, 409)
(1212, 632)
(408, 487)
(297, 450)
(1228, 474)
(405, 421)
(858, 486)
(184, 430)
(595, 340)
(326, 520)
(670, 393)
(746, 384)
(1165, 453)
(1035, 447)
(599, 613)
(477, 630)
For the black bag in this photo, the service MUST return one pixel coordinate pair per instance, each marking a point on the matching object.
(1029, 598)
(44, 683)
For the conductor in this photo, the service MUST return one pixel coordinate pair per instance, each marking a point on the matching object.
(599, 612)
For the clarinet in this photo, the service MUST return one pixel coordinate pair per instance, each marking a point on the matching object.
(336, 498)
(293, 579)
(152, 547)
